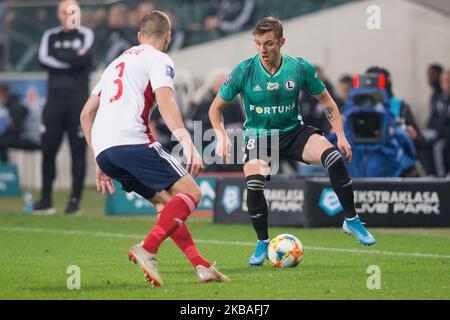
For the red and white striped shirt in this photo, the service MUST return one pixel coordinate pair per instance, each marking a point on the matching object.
(127, 97)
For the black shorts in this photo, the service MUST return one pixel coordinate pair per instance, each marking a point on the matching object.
(290, 145)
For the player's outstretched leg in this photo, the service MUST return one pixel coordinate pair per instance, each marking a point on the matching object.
(205, 271)
(172, 216)
(259, 213)
(183, 239)
(342, 186)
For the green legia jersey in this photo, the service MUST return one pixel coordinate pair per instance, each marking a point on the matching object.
(271, 101)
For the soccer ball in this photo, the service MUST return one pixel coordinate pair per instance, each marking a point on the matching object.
(285, 251)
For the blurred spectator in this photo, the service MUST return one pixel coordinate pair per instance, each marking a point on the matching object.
(96, 20)
(117, 39)
(311, 110)
(430, 134)
(134, 16)
(23, 29)
(2, 35)
(132, 25)
(224, 17)
(233, 116)
(434, 74)
(66, 52)
(144, 7)
(13, 133)
(441, 148)
(345, 85)
(178, 34)
(405, 118)
(229, 16)
(326, 82)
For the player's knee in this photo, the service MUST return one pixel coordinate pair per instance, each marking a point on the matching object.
(330, 157)
(196, 194)
(333, 162)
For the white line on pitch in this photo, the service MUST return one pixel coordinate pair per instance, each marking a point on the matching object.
(219, 242)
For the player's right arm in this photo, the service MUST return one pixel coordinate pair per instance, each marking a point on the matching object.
(223, 146)
(170, 112)
(231, 87)
(161, 73)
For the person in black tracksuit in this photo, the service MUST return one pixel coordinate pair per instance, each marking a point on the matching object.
(66, 52)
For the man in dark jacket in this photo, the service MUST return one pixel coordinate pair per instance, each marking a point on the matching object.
(66, 52)
(429, 159)
(441, 149)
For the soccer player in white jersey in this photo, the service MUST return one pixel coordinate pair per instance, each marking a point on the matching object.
(115, 123)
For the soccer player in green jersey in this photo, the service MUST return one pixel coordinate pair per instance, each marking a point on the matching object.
(269, 85)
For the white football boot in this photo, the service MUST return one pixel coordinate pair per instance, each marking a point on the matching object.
(147, 262)
(210, 274)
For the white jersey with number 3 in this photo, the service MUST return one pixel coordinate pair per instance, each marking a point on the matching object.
(127, 97)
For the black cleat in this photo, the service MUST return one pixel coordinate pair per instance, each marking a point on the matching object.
(73, 207)
(43, 207)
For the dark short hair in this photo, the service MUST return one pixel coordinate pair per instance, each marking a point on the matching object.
(378, 70)
(155, 24)
(269, 24)
(387, 75)
(346, 78)
(436, 68)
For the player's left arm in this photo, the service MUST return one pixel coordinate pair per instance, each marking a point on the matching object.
(334, 117)
(170, 112)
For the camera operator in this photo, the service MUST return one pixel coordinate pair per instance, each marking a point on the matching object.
(405, 118)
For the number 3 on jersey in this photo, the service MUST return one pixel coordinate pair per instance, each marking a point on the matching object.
(118, 82)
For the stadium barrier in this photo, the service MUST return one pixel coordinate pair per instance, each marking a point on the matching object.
(310, 202)
(130, 203)
(9, 180)
(285, 199)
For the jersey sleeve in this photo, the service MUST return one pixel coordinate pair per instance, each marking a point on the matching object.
(312, 81)
(97, 89)
(232, 85)
(162, 73)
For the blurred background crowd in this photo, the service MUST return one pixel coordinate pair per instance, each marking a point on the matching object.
(115, 24)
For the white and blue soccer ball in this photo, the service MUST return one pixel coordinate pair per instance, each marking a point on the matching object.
(285, 251)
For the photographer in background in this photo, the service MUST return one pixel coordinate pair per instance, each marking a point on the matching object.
(402, 111)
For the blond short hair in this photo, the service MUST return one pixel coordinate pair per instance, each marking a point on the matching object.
(155, 24)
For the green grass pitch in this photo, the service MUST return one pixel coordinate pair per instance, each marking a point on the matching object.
(36, 251)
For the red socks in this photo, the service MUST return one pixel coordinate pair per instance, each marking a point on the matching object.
(172, 216)
(171, 223)
(183, 240)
